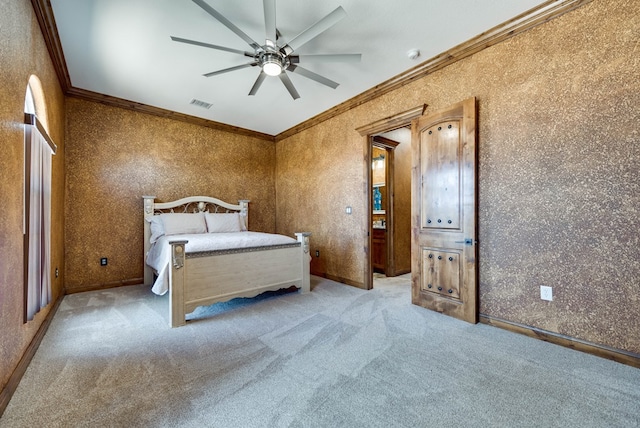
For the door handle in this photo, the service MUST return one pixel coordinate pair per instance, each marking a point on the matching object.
(467, 241)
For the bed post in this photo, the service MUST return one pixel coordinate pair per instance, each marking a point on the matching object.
(176, 283)
(303, 238)
(148, 212)
(244, 212)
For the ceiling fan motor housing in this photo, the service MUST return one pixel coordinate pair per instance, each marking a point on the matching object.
(272, 61)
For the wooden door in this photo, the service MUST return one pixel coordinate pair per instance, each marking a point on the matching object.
(443, 210)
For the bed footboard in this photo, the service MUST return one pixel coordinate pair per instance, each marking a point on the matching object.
(197, 280)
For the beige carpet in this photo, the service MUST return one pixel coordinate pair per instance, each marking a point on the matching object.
(335, 357)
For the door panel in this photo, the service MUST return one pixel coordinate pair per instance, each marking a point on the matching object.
(440, 167)
(444, 267)
(441, 272)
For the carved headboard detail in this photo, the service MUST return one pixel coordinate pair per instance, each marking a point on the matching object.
(192, 204)
(195, 207)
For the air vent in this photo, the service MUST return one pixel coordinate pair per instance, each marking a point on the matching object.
(199, 103)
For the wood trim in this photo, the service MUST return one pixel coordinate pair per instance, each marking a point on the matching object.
(392, 122)
(26, 220)
(521, 23)
(47, 22)
(620, 356)
(155, 111)
(385, 142)
(32, 119)
(368, 228)
(44, 15)
(11, 386)
(104, 286)
(344, 281)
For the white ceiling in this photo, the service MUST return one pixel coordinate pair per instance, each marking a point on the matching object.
(122, 48)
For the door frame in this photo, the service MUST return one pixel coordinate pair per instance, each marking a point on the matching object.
(368, 132)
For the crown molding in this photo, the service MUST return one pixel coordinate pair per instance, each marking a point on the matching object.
(47, 22)
(155, 111)
(521, 23)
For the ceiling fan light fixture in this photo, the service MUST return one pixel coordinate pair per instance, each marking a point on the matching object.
(272, 64)
(272, 68)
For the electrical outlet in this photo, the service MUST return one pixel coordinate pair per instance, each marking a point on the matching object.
(57, 272)
(104, 261)
(546, 293)
(317, 253)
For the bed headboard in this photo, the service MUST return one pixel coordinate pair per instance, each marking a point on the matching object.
(191, 204)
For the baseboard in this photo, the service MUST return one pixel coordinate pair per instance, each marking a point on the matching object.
(344, 281)
(618, 355)
(21, 368)
(104, 286)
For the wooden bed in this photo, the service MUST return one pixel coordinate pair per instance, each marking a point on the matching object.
(206, 277)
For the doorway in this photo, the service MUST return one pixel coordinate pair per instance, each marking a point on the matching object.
(382, 134)
(382, 209)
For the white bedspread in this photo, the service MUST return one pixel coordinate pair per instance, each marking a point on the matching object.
(159, 255)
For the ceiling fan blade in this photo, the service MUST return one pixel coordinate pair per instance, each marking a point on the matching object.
(226, 70)
(270, 20)
(289, 85)
(295, 59)
(313, 76)
(315, 30)
(208, 45)
(259, 80)
(211, 11)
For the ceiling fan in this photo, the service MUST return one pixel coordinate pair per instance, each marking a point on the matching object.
(272, 58)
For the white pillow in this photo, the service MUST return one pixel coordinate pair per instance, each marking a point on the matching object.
(180, 223)
(223, 222)
(157, 228)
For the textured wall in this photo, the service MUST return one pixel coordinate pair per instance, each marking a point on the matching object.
(114, 156)
(319, 173)
(559, 187)
(558, 173)
(23, 53)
